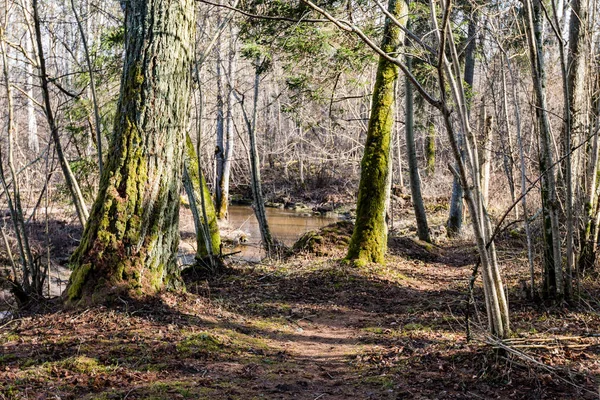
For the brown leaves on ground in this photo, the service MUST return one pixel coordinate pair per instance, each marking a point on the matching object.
(310, 328)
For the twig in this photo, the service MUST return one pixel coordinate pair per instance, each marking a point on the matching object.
(9, 322)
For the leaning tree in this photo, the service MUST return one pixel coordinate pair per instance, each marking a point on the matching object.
(131, 238)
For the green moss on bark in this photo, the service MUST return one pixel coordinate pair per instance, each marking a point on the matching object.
(199, 183)
(369, 239)
(77, 280)
(131, 238)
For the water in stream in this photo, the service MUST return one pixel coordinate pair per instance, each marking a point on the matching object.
(286, 226)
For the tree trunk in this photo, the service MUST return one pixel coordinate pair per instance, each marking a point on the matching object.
(495, 298)
(399, 159)
(70, 179)
(369, 239)
(486, 162)
(578, 52)
(130, 243)
(523, 170)
(553, 276)
(588, 250)
(508, 159)
(32, 127)
(259, 202)
(208, 238)
(413, 165)
(455, 219)
(229, 128)
(220, 201)
(31, 282)
(430, 146)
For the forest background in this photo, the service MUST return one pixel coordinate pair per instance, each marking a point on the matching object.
(498, 105)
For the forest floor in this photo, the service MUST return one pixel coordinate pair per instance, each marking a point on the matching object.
(310, 327)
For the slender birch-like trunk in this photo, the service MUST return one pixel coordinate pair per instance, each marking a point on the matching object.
(455, 218)
(553, 273)
(71, 181)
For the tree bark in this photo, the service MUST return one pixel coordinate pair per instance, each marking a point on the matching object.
(553, 274)
(130, 243)
(430, 146)
(221, 154)
(208, 238)
(577, 73)
(413, 165)
(486, 162)
(455, 218)
(369, 239)
(228, 127)
(507, 158)
(32, 126)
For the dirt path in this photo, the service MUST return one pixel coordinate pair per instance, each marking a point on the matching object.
(307, 328)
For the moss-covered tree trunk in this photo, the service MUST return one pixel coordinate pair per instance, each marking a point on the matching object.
(130, 241)
(369, 239)
(208, 238)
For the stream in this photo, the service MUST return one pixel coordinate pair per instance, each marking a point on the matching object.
(286, 226)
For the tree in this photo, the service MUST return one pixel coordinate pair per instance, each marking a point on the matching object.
(553, 274)
(369, 239)
(225, 132)
(208, 237)
(578, 104)
(430, 146)
(32, 279)
(130, 243)
(261, 64)
(413, 165)
(70, 179)
(455, 217)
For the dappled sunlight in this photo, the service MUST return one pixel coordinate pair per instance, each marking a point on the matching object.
(293, 329)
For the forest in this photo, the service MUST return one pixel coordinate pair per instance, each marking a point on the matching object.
(299, 199)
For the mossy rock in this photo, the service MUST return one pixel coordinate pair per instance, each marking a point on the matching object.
(327, 241)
